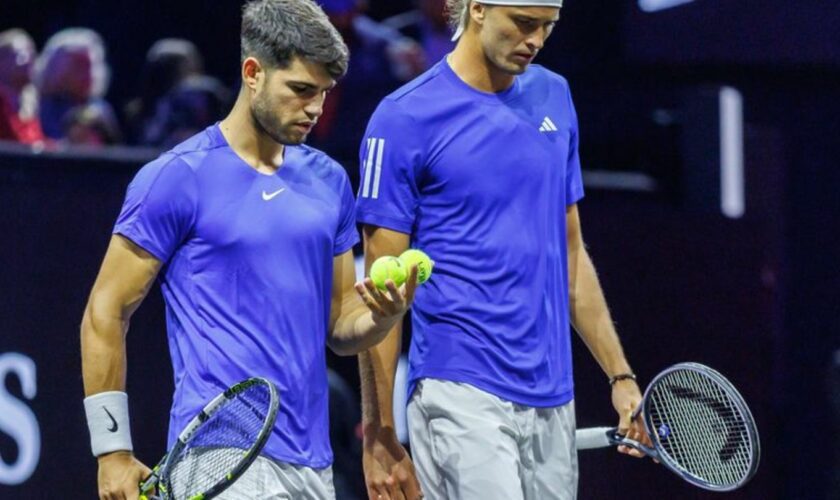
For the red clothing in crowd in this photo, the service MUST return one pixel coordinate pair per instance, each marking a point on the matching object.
(14, 125)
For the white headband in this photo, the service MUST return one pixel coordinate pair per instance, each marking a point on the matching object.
(462, 24)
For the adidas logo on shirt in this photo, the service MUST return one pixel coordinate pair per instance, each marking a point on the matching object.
(548, 125)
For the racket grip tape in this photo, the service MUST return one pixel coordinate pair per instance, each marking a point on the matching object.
(594, 437)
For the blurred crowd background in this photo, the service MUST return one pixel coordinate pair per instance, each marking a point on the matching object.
(97, 74)
(117, 82)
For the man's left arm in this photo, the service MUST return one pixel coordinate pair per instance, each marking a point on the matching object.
(361, 315)
(591, 318)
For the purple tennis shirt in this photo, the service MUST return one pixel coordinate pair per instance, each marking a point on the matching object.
(246, 277)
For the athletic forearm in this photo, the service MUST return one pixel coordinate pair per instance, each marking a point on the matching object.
(103, 371)
(377, 367)
(103, 351)
(591, 316)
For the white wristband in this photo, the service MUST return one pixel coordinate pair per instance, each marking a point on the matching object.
(107, 419)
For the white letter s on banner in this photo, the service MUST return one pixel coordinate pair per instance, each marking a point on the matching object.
(17, 420)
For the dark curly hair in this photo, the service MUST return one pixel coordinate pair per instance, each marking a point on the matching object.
(277, 31)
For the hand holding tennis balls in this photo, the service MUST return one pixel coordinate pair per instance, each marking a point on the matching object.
(382, 292)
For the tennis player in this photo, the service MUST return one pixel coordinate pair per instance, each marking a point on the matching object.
(476, 162)
(250, 233)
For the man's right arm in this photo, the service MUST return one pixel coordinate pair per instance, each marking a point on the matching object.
(126, 275)
(389, 471)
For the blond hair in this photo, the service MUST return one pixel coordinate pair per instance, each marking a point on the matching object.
(456, 10)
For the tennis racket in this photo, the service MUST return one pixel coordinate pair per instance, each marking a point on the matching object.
(700, 427)
(218, 445)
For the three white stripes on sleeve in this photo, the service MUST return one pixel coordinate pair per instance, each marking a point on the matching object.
(375, 150)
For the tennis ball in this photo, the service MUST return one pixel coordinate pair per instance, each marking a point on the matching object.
(385, 268)
(424, 264)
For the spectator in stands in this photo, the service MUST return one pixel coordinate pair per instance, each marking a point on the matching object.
(91, 125)
(427, 24)
(18, 98)
(71, 72)
(169, 62)
(193, 105)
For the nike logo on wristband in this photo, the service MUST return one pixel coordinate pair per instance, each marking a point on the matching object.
(115, 427)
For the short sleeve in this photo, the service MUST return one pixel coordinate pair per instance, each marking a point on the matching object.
(574, 180)
(159, 208)
(390, 157)
(347, 235)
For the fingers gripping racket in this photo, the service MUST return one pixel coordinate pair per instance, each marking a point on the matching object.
(700, 427)
(218, 445)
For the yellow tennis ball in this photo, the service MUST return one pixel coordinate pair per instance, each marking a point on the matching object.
(424, 264)
(385, 268)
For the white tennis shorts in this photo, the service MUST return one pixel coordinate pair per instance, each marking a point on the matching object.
(269, 479)
(468, 444)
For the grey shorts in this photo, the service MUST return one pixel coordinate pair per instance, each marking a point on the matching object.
(468, 444)
(269, 479)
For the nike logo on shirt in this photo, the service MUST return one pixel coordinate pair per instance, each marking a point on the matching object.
(270, 196)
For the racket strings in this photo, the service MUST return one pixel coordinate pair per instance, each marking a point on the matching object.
(221, 443)
(701, 428)
(688, 442)
(709, 432)
(712, 430)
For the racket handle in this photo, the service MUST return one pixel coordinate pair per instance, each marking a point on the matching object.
(148, 486)
(594, 437)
